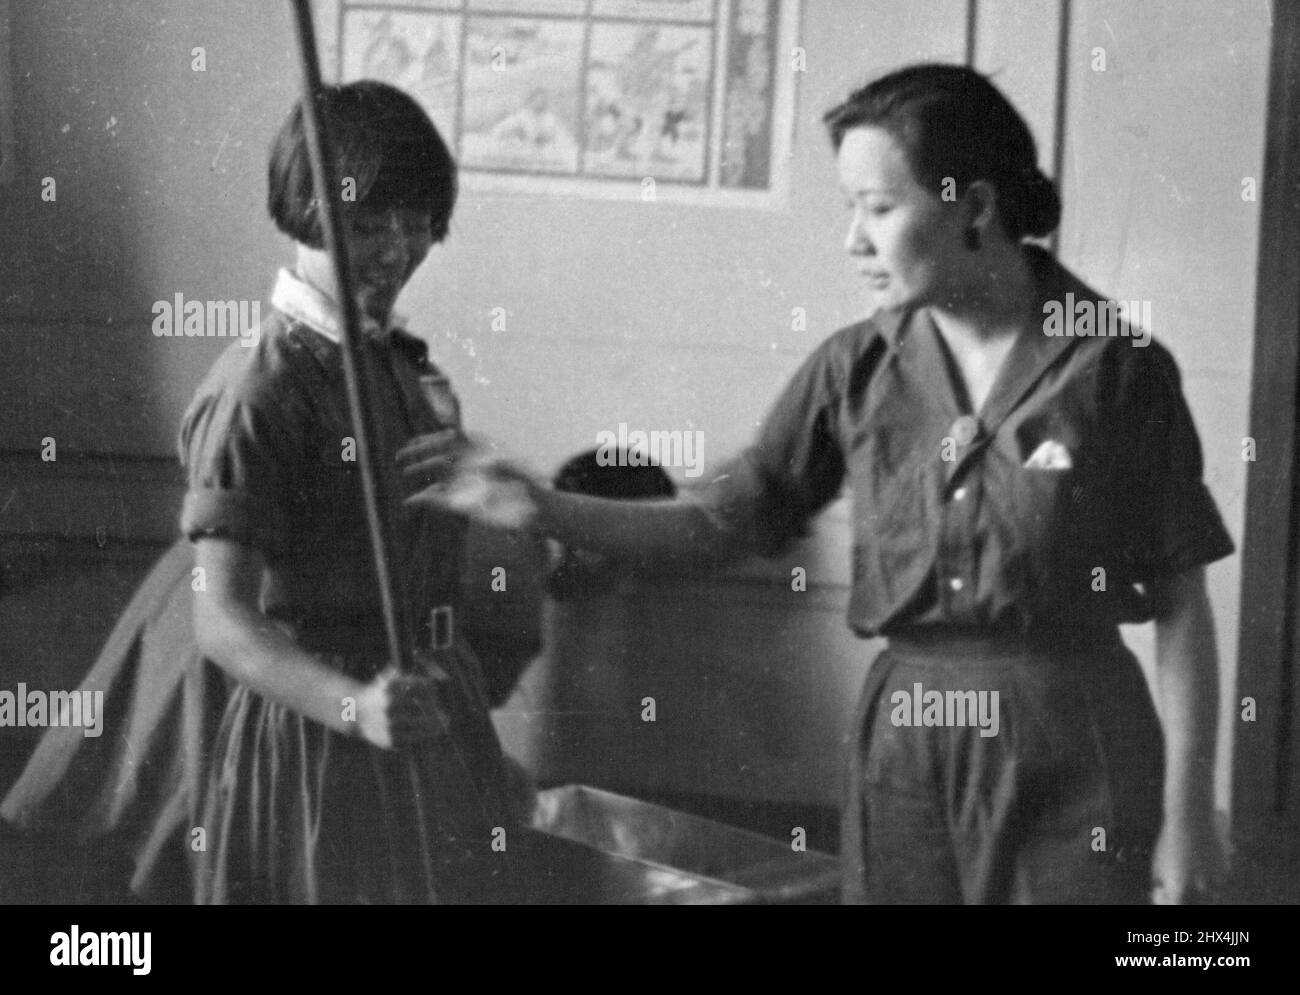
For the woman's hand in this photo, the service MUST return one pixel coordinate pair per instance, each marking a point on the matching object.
(1190, 862)
(470, 479)
(395, 710)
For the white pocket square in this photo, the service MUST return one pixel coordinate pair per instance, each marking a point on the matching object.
(1051, 455)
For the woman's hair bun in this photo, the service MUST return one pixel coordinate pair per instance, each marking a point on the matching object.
(1041, 207)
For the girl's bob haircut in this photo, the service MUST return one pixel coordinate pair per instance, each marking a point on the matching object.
(382, 141)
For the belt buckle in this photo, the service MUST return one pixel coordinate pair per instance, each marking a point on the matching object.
(442, 628)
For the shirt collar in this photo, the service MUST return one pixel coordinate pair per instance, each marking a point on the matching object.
(915, 333)
(310, 306)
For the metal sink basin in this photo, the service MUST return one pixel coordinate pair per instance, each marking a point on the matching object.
(663, 856)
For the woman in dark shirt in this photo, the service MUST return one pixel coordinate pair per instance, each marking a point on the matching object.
(1020, 486)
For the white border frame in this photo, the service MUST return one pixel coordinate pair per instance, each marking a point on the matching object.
(8, 145)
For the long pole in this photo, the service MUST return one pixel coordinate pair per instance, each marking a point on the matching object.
(356, 374)
(355, 363)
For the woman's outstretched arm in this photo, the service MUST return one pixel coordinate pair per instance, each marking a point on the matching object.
(647, 533)
(452, 473)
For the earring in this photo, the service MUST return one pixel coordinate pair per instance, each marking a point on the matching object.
(972, 239)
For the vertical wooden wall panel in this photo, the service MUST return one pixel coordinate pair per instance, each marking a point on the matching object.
(1269, 640)
(1016, 44)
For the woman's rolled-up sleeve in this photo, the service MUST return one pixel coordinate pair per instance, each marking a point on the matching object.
(1171, 522)
(242, 453)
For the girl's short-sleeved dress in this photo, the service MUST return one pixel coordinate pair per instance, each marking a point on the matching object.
(208, 791)
(293, 811)
(997, 551)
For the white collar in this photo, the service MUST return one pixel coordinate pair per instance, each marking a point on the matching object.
(307, 304)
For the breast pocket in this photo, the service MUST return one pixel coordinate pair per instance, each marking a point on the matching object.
(1044, 502)
(1048, 538)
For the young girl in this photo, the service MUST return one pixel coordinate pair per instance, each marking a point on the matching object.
(322, 775)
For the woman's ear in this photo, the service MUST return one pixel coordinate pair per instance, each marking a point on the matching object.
(980, 204)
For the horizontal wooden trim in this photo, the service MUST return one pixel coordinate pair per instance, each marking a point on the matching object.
(95, 496)
(59, 509)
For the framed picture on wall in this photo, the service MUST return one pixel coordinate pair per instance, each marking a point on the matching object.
(681, 100)
(6, 100)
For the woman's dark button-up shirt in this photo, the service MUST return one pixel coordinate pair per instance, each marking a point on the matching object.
(1078, 483)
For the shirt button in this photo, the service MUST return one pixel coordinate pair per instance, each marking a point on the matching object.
(955, 583)
(959, 494)
(965, 429)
